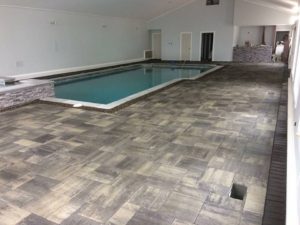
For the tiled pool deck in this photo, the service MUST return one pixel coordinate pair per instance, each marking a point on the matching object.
(170, 159)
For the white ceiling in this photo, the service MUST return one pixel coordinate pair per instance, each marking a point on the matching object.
(286, 5)
(140, 9)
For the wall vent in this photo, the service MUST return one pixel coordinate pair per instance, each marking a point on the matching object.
(147, 54)
(212, 2)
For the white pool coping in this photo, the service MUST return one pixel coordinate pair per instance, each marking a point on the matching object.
(111, 106)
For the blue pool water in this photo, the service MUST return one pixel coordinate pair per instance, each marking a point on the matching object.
(110, 87)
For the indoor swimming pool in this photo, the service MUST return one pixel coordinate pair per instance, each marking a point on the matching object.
(116, 86)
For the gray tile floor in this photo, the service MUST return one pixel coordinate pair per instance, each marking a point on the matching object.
(170, 159)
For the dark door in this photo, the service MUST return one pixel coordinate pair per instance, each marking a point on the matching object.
(207, 47)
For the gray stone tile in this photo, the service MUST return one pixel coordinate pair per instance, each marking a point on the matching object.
(33, 219)
(39, 185)
(169, 159)
(79, 220)
(147, 217)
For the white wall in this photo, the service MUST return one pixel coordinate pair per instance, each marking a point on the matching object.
(29, 43)
(197, 17)
(283, 28)
(293, 167)
(236, 34)
(251, 14)
(254, 35)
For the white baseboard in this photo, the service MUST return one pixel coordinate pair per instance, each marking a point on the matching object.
(73, 69)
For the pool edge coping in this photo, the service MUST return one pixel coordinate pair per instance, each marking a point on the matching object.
(124, 101)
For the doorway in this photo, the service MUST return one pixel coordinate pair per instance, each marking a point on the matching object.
(186, 46)
(280, 35)
(207, 46)
(156, 45)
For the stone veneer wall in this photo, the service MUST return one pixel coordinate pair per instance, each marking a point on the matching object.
(257, 54)
(24, 95)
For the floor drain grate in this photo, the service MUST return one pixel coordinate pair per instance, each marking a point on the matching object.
(238, 191)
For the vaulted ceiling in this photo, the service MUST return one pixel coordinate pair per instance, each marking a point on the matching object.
(286, 5)
(140, 9)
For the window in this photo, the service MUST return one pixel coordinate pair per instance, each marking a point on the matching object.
(212, 2)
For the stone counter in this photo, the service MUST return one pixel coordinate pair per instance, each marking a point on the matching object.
(256, 54)
(24, 92)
